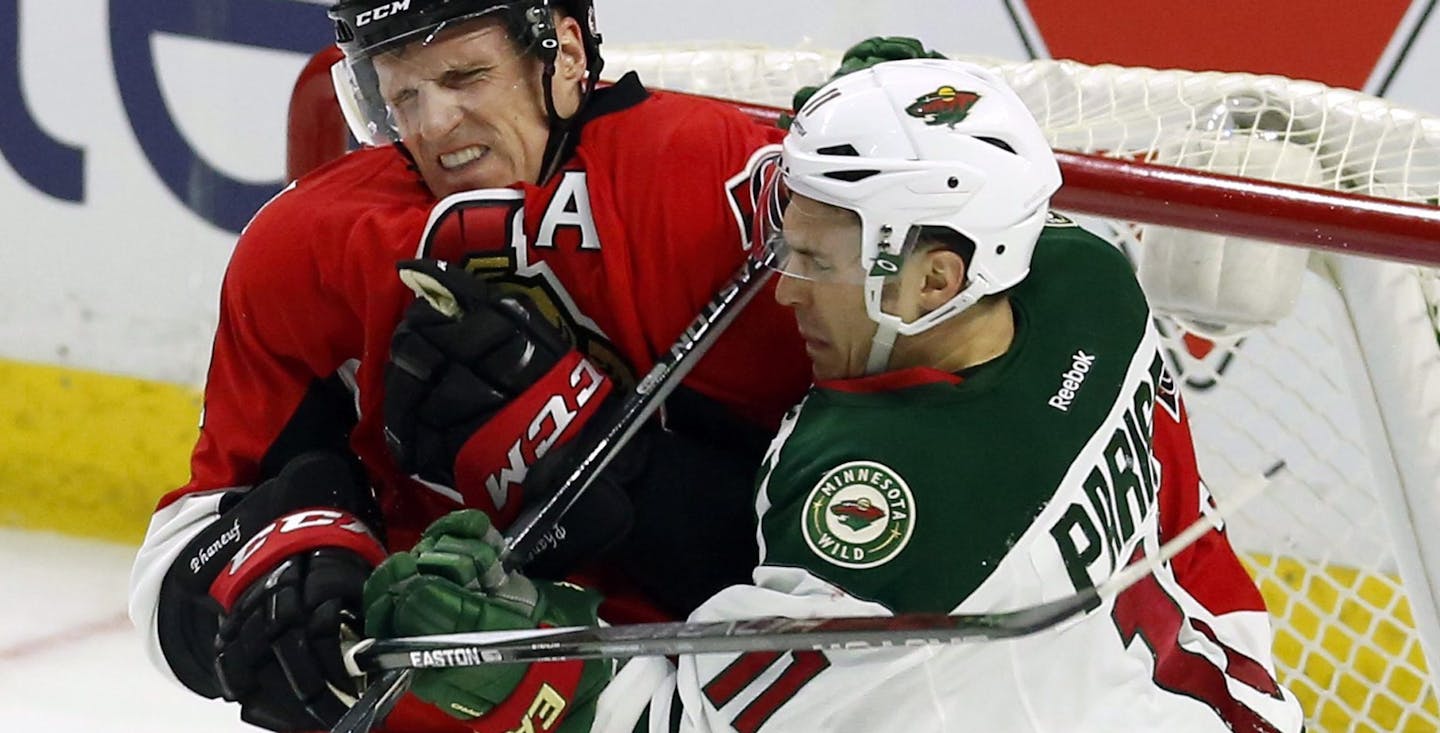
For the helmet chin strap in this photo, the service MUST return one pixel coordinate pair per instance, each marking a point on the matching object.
(543, 27)
(560, 127)
(889, 327)
(880, 347)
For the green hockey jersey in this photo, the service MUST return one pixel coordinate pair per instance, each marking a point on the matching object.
(1037, 474)
(909, 487)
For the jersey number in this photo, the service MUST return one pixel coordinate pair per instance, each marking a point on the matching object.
(1146, 611)
(747, 668)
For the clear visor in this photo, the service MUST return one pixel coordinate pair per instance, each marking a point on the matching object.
(464, 63)
(815, 241)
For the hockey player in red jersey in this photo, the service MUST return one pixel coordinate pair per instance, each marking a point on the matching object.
(600, 220)
(992, 427)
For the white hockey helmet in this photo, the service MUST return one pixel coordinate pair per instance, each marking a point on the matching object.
(924, 142)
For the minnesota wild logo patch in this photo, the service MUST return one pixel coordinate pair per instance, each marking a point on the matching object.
(859, 515)
(944, 106)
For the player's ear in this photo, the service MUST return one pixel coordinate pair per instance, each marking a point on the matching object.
(943, 278)
(570, 59)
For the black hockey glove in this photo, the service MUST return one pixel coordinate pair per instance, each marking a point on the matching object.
(484, 394)
(459, 355)
(256, 606)
(278, 650)
(863, 55)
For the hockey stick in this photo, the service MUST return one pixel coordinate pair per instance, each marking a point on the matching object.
(528, 534)
(531, 528)
(777, 633)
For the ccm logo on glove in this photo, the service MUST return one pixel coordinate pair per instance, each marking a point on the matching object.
(551, 414)
(290, 534)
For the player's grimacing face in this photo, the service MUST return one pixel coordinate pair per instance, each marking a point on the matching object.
(468, 107)
(829, 300)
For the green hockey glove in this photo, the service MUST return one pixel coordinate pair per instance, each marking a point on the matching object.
(863, 55)
(451, 582)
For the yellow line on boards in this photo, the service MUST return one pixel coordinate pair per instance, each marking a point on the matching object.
(88, 454)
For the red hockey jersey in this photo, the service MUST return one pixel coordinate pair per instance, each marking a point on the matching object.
(634, 236)
(644, 223)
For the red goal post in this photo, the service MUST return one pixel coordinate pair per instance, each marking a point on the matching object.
(1346, 388)
(1094, 184)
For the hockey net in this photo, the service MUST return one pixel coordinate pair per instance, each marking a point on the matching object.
(1345, 389)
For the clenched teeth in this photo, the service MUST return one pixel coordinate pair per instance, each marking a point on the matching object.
(461, 157)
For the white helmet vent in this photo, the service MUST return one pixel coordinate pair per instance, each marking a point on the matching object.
(852, 176)
(997, 142)
(846, 150)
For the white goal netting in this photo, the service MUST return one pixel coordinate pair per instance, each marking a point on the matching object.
(1346, 388)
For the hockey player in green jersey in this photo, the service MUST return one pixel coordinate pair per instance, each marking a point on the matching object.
(991, 427)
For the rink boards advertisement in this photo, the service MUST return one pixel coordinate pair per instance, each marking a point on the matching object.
(139, 137)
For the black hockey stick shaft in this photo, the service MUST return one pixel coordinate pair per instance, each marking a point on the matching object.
(375, 703)
(529, 532)
(781, 634)
(748, 635)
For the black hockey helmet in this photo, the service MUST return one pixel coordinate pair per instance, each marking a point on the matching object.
(366, 28)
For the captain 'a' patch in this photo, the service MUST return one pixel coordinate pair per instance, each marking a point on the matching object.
(860, 515)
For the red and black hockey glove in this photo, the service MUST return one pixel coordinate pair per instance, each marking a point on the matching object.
(255, 608)
(482, 394)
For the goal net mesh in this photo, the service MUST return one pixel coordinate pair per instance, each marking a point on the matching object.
(1320, 547)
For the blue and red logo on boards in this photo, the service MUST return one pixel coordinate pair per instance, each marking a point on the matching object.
(57, 168)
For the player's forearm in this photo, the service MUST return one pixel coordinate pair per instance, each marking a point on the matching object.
(206, 548)
(171, 529)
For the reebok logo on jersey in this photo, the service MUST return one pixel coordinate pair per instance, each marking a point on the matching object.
(1071, 380)
(859, 515)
